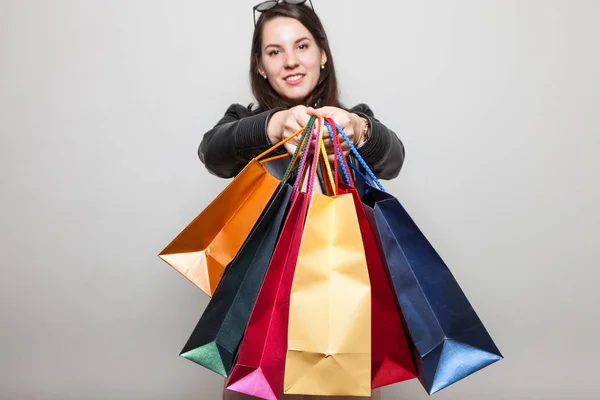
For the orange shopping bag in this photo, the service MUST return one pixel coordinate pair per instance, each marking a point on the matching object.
(202, 251)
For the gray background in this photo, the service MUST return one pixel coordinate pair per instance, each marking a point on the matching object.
(103, 105)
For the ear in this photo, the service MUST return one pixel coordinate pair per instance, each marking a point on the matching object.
(259, 66)
(323, 57)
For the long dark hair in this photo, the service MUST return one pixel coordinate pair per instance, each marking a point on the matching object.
(326, 91)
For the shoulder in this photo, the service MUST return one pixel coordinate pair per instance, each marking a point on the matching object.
(239, 110)
(242, 110)
(362, 108)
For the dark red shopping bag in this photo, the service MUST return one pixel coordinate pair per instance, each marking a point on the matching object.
(391, 358)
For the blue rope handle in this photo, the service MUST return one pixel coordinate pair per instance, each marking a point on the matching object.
(359, 158)
(339, 155)
(366, 179)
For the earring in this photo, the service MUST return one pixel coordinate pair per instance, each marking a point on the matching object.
(322, 66)
(264, 76)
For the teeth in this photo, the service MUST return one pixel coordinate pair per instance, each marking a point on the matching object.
(293, 78)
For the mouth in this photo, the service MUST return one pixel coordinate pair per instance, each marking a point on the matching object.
(294, 79)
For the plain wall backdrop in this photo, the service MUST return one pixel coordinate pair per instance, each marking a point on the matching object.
(103, 105)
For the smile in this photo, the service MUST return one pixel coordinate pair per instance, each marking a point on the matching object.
(294, 79)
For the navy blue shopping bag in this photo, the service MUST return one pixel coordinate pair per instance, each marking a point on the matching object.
(448, 338)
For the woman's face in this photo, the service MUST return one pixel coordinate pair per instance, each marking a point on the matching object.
(290, 58)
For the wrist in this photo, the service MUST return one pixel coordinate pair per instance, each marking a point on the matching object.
(274, 130)
(361, 128)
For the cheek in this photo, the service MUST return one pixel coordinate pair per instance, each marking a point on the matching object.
(271, 65)
(312, 61)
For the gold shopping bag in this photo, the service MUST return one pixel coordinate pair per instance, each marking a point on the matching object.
(329, 328)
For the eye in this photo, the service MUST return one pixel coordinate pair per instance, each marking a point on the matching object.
(273, 53)
(303, 46)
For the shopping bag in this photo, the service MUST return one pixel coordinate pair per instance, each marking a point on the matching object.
(202, 251)
(216, 338)
(391, 359)
(449, 339)
(259, 367)
(260, 363)
(329, 329)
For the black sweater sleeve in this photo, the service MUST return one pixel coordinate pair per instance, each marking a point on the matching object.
(237, 138)
(383, 151)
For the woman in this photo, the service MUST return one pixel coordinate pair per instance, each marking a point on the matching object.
(293, 77)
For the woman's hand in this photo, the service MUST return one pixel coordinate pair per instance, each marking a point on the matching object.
(351, 123)
(284, 124)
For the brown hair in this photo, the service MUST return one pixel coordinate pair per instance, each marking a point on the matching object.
(326, 91)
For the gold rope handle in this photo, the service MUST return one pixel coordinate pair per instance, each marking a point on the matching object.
(320, 151)
(327, 166)
(316, 155)
(328, 189)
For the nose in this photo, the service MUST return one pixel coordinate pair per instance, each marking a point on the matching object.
(291, 61)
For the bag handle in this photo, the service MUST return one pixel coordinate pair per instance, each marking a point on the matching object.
(305, 150)
(365, 178)
(309, 171)
(276, 146)
(299, 152)
(296, 154)
(320, 154)
(360, 159)
(323, 152)
(338, 155)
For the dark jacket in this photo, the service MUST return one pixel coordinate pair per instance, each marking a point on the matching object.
(242, 135)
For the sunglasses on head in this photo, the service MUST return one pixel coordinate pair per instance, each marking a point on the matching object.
(267, 5)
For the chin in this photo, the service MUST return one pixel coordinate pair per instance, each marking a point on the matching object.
(296, 97)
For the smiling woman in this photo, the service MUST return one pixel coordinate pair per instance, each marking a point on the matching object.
(284, 52)
(287, 43)
(293, 77)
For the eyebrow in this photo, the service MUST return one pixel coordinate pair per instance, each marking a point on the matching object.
(297, 41)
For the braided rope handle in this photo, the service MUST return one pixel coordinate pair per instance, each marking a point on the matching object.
(338, 153)
(359, 158)
(298, 153)
(305, 152)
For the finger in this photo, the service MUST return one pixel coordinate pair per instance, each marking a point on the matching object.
(318, 112)
(330, 152)
(342, 140)
(290, 148)
(302, 119)
(328, 142)
(344, 147)
(291, 126)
